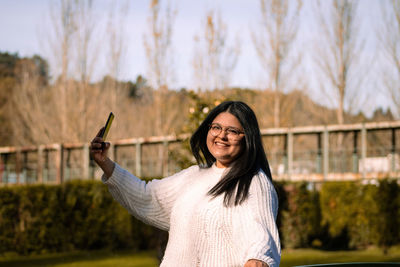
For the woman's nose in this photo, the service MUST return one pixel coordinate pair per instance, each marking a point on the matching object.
(223, 134)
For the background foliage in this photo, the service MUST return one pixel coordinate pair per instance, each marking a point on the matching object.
(81, 215)
(76, 215)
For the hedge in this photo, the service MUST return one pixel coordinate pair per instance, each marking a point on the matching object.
(82, 215)
(76, 215)
(339, 215)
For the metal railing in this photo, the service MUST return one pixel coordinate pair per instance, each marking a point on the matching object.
(312, 153)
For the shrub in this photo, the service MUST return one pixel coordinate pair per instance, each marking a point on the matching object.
(79, 214)
(301, 218)
(387, 227)
(82, 214)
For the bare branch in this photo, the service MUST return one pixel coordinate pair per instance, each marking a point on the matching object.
(214, 60)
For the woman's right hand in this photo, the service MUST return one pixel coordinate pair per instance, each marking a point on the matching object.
(99, 148)
(98, 151)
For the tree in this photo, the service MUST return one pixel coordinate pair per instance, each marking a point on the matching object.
(116, 46)
(388, 232)
(389, 38)
(213, 60)
(7, 76)
(86, 59)
(31, 105)
(158, 45)
(338, 53)
(274, 45)
(64, 27)
(74, 106)
(11, 67)
(7, 84)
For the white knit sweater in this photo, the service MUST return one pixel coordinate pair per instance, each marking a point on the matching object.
(202, 231)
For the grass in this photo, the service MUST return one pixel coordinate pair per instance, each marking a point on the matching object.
(312, 256)
(83, 259)
(148, 259)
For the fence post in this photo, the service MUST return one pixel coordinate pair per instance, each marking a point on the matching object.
(363, 149)
(18, 164)
(319, 153)
(60, 163)
(355, 152)
(5, 171)
(393, 150)
(289, 137)
(85, 161)
(39, 170)
(326, 153)
(165, 158)
(138, 160)
(2, 167)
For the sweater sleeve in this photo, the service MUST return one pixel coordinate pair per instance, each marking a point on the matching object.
(262, 238)
(150, 202)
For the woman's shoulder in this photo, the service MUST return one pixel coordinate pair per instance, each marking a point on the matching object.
(176, 180)
(189, 170)
(261, 181)
(184, 173)
(262, 192)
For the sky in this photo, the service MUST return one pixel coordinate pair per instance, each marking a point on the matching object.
(25, 23)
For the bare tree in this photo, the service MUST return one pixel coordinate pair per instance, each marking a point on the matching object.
(159, 52)
(64, 26)
(117, 45)
(86, 59)
(338, 54)
(274, 43)
(70, 102)
(76, 50)
(33, 122)
(389, 38)
(214, 60)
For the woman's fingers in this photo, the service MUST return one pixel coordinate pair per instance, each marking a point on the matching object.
(255, 263)
(100, 133)
(105, 145)
(96, 143)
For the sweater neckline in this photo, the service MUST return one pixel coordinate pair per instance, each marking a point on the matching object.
(218, 170)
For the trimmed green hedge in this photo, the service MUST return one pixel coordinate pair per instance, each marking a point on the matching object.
(82, 215)
(339, 215)
(76, 215)
(300, 223)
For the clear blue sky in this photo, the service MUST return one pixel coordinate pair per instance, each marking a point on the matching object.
(24, 22)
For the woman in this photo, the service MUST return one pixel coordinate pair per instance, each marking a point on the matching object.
(220, 212)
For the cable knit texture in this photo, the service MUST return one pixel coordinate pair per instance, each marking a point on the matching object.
(202, 231)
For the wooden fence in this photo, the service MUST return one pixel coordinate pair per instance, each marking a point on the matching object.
(367, 151)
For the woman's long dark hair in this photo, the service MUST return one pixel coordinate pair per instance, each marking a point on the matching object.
(249, 162)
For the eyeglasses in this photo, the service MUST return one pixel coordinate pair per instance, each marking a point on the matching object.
(231, 132)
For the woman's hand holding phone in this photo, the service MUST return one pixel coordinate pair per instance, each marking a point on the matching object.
(99, 149)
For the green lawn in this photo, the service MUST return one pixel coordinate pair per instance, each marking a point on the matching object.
(312, 256)
(84, 259)
(148, 259)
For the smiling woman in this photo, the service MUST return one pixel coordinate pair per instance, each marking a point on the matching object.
(225, 142)
(221, 212)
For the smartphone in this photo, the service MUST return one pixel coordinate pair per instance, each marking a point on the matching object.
(104, 133)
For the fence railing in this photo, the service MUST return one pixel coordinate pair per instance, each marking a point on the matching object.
(312, 153)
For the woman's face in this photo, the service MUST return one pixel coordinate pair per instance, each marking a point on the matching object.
(225, 139)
